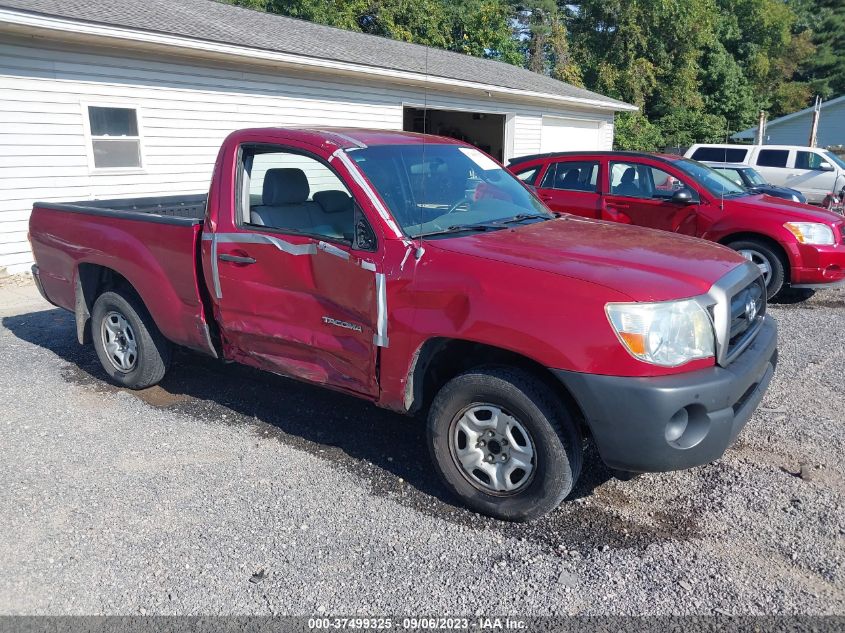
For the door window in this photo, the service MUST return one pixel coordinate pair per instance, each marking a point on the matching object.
(772, 157)
(572, 176)
(808, 160)
(294, 193)
(642, 181)
(528, 176)
(720, 154)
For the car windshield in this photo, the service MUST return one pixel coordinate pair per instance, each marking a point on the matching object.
(754, 177)
(434, 188)
(716, 183)
(835, 159)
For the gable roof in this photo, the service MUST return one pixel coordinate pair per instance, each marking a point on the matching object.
(752, 131)
(211, 21)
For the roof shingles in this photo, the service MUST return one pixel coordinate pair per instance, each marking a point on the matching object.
(223, 23)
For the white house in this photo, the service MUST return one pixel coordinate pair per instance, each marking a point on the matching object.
(112, 98)
(794, 129)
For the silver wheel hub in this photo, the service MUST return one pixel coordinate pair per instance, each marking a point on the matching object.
(119, 342)
(759, 260)
(492, 449)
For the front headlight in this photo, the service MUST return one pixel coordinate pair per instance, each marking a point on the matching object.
(667, 334)
(811, 232)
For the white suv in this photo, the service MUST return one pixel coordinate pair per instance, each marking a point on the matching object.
(812, 171)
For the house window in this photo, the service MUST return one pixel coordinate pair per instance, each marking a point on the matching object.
(115, 139)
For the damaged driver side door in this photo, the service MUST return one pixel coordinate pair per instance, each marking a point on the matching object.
(298, 283)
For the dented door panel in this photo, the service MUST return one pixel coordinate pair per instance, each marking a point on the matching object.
(304, 308)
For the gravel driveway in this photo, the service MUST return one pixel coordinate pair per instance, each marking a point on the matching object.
(173, 500)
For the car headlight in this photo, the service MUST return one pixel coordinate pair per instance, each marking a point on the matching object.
(669, 334)
(811, 232)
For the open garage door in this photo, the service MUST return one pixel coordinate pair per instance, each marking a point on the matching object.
(570, 135)
(485, 131)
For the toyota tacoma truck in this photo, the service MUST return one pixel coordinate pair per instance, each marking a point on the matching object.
(417, 273)
(794, 245)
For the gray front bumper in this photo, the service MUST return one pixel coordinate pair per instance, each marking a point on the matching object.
(679, 421)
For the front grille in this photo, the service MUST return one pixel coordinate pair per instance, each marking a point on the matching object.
(747, 309)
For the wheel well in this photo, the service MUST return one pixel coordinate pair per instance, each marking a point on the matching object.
(441, 359)
(768, 241)
(93, 280)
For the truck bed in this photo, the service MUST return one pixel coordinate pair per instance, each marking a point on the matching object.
(152, 243)
(182, 209)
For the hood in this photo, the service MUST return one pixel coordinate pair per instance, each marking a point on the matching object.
(787, 210)
(644, 264)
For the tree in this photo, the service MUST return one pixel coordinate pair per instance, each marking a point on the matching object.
(474, 27)
(825, 70)
(635, 133)
(682, 127)
(767, 39)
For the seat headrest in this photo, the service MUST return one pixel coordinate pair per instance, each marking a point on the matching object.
(285, 185)
(629, 176)
(333, 201)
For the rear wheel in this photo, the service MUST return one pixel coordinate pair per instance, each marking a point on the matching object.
(771, 264)
(131, 349)
(504, 443)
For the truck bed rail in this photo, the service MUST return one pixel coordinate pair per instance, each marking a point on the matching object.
(182, 209)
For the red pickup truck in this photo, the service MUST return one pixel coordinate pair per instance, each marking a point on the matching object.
(793, 244)
(417, 273)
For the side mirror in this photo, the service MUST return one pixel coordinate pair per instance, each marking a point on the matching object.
(825, 166)
(683, 196)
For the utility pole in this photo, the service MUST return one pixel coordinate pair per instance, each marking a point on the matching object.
(761, 128)
(814, 127)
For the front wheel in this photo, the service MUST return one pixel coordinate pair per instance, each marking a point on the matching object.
(770, 263)
(504, 443)
(131, 349)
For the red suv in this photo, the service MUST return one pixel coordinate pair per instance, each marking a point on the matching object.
(793, 244)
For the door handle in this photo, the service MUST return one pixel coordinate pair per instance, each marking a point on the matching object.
(237, 259)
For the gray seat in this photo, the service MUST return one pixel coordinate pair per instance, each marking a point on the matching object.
(335, 213)
(627, 184)
(571, 180)
(285, 203)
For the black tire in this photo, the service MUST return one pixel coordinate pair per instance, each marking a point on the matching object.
(774, 259)
(556, 438)
(152, 357)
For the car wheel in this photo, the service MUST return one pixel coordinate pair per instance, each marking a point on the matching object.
(770, 263)
(504, 443)
(132, 351)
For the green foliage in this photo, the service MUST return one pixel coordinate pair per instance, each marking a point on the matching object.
(635, 133)
(825, 70)
(697, 69)
(683, 127)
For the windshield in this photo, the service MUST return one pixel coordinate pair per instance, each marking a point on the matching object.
(716, 183)
(754, 177)
(833, 158)
(434, 188)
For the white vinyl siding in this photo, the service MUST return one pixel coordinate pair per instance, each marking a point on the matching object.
(185, 110)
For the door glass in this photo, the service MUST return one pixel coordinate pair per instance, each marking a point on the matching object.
(573, 176)
(642, 181)
(549, 178)
(808, 160)
(720, 154)
(772, 157)
(529, 175)
(295, 193)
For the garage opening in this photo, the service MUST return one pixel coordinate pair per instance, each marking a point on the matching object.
(484, 130)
